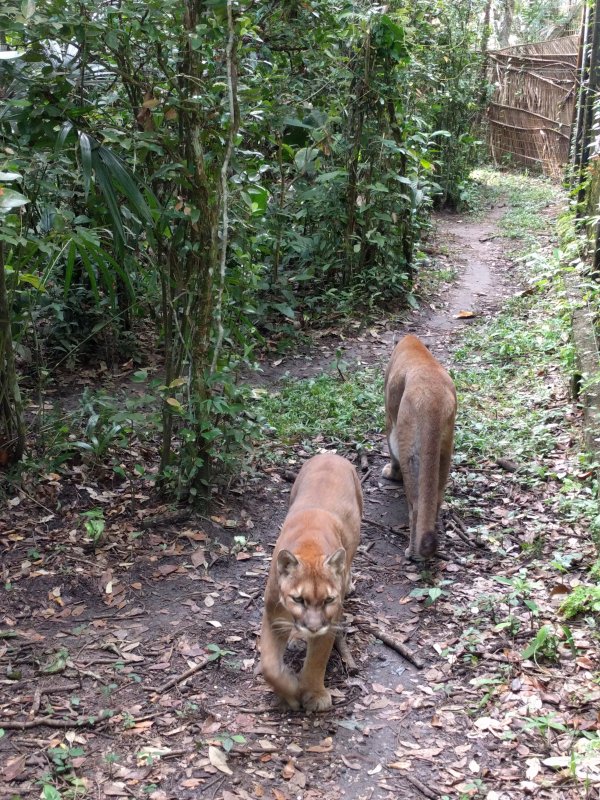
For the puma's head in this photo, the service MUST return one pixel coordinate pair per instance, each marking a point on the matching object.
(312, 590)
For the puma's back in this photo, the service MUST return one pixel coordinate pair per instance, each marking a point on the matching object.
(420, 402)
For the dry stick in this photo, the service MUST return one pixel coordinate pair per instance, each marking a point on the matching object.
(459, 528)
(184, 675)
(376, 523)
(392, 643)
(430, 793)
(50, 722)
(81, 722)
(341, 645)
(366, 475)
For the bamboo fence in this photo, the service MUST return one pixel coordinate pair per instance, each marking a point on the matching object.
(530, 115)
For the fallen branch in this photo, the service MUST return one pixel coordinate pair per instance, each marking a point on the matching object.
(376, 524)
(184, 676)
(425, 790)
(392, 643)
(366, 475)
(341, 645)
(50, 722)
(460, 530)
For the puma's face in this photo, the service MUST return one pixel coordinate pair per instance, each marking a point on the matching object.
(312, 594)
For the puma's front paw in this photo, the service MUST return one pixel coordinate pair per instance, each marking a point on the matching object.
(390, 473)
(411, 555)
(316, 701)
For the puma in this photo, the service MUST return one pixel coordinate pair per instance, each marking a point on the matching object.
(420, 407)
(310, 576)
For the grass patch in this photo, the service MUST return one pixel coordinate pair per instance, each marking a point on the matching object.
(510, 371)
(324, 410)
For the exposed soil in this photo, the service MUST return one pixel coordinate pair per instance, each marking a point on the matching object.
(89, 630)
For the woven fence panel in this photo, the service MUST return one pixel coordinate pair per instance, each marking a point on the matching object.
(529, 117)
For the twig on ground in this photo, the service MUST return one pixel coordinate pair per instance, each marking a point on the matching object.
(50, 722)
(341, 645)
(376, 524)
(367, 475)
(460, 530)
(425, 790)
(252, 599)
(184, 676)
(390, 642)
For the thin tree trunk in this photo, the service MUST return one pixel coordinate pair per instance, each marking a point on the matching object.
(12, 424)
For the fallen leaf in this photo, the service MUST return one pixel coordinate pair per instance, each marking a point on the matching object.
(14, 767)
(198, 558)
(218, 759)
(350, 764)
(533, 768)
(287, 773)
(464, 315)
(323, 747)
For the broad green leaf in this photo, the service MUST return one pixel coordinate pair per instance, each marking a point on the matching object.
(10, 199)
(56, 663)
(28, 8)
(33, 280)
(10, 176)
(175, 404)
(7, 55)
(126, 183)
(177, 382)
(286, 310)
(536, 644)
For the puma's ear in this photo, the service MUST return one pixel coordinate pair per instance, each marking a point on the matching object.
(337, 561)
(286, 562)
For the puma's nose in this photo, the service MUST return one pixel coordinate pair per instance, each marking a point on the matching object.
(313, 622)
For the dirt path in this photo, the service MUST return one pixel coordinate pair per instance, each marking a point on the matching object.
(107, 630)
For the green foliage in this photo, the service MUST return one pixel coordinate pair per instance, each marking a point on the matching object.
(123, 143)
(324, 410)
(584, 599)
(94, 524)
(543, 645)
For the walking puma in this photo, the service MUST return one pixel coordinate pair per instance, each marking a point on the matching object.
(309, 577)
(420, 405)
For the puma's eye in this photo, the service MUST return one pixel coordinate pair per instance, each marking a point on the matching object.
(299, 600)
(329, 600)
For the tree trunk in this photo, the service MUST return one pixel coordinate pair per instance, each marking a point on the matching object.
(12, 425)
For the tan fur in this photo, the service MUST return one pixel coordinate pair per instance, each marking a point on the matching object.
(420, 405)
(311, 561)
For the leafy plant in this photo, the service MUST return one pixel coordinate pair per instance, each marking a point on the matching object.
(94, 524)
(432, 593)
(584, 599)
(544, 645)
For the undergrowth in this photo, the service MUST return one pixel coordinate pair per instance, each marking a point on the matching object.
(343, 410)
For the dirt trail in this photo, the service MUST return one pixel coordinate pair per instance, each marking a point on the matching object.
(395, 731)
